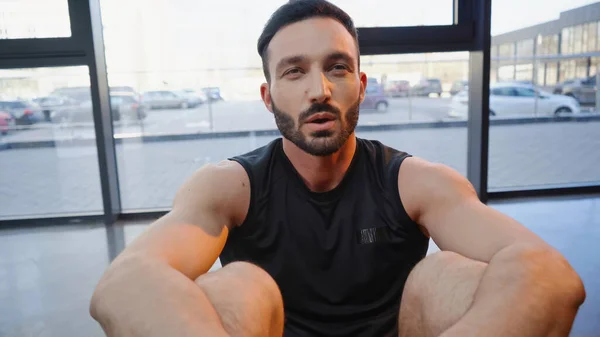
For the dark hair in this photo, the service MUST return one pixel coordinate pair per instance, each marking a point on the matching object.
(299, 10)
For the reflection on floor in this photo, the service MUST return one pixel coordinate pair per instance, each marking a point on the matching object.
(47, 275)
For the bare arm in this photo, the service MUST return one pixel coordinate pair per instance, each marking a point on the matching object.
(528, 288)
(149, 289)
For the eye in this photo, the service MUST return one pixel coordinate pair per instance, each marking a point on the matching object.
(294, 72)
(340, 68)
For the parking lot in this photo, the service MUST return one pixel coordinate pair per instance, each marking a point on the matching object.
(228, 116)
(61, 176)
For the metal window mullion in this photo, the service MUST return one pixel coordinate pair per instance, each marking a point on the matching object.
(479, 88)
(89, 27)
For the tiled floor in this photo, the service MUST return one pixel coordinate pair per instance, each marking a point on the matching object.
(47, 274)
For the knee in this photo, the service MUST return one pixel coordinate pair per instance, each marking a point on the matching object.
(245, 278)
(428, 267)
(246, 298)
(435, 273)
(437, 292)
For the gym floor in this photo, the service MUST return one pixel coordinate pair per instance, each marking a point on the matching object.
(47, 274)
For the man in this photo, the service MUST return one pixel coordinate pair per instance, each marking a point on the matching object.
(333, 229)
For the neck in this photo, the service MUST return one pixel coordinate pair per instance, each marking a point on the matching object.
(321, 174)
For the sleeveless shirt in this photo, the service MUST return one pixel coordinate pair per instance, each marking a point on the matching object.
(341, 257)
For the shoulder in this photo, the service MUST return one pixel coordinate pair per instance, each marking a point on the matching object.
(423, 184)
(377, 147)
(222, 187)
(381, 154)
(259, 155)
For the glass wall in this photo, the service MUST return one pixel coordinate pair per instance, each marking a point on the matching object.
(182, 96)
(26, 19)
(48, 156)
(533, 148)
(197, 105)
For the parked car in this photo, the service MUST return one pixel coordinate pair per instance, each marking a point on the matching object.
(126, 105)
(7, 122)
(375, 99)
(192, 97)
(76, 94)
(164, 99)
(398, 88)
(459, 86)
(23, 112)
(427, 87)
(123, 105)
(582, 89)
(513, 99)
(125, 89)
(51, 103)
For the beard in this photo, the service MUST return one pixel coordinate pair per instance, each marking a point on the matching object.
(321, 143)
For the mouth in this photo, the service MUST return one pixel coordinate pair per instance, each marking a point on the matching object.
(321, 118)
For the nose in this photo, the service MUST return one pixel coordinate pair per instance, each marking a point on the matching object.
(319, 90)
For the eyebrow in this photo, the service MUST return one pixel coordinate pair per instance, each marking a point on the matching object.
(338, 55)
(341, 56)
(287, 61)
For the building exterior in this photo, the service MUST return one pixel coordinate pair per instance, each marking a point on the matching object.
(551, 52)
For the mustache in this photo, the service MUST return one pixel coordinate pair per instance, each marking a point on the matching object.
(317, 108)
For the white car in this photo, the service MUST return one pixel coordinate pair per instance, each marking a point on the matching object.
(517, 100)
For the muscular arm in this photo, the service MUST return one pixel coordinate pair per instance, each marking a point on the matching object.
(149, 289)
(528, 288)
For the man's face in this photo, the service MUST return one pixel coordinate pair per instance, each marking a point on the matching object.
(315, 87)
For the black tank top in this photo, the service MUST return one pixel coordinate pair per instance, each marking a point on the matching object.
(340, 258)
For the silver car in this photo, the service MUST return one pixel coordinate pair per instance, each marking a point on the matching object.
(164, 99)
(582, 89)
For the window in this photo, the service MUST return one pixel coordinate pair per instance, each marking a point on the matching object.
(524, 92)
(506, 73)
(525, 47)
(582, 68)
(503, 91)
(567, 70)
(48, 155)
(548, 45)
(541, 74)
(382, 13)
(590, 39)
(551, 74)
(524, 72)
(566, 45)
(214, 110)
(507, 50)
(529, 131)
(594, 66)
(26, 19)
(597, 24)
(371, 89)
(577, 39)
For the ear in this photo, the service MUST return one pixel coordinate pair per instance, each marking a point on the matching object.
(363, 85)
(265, 94)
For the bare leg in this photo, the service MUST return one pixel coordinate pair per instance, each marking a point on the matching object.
(246, 298)
(438, 292)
